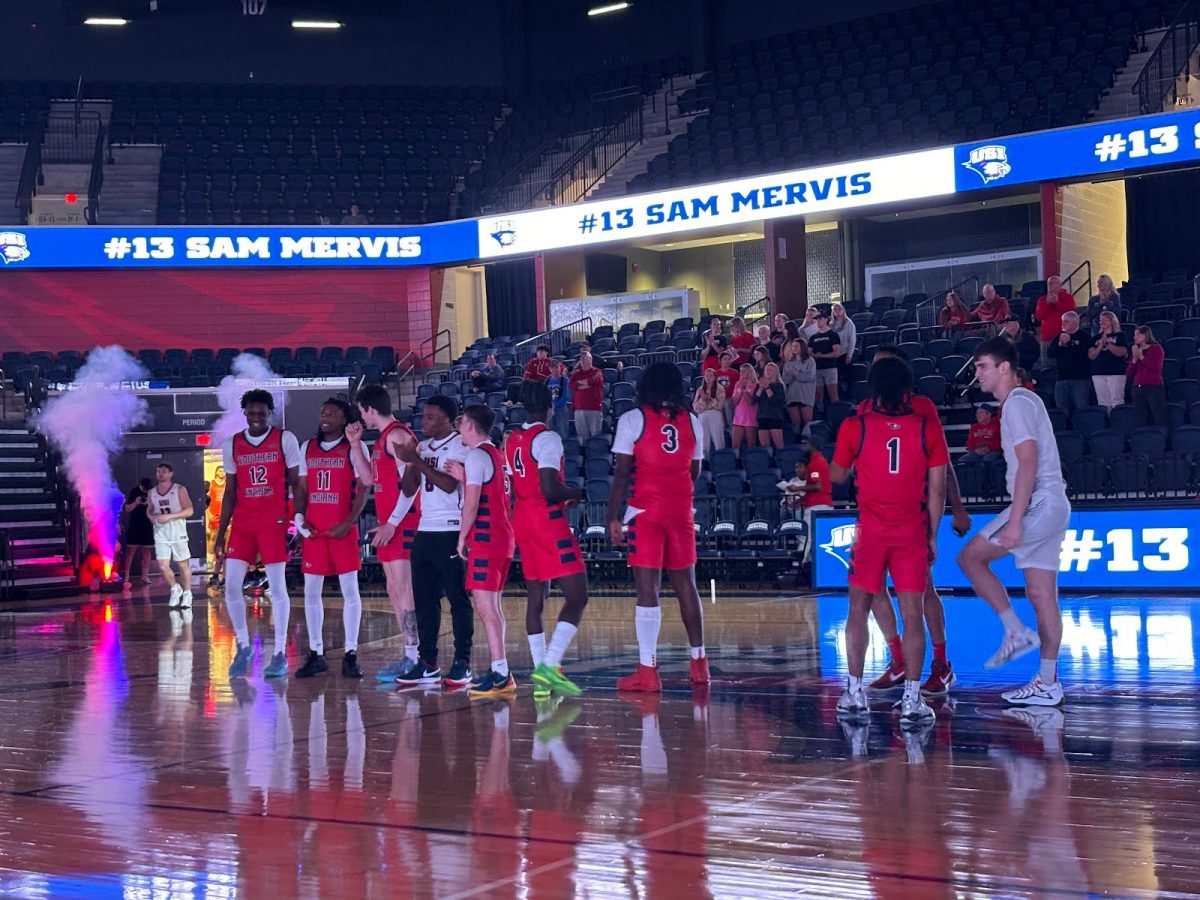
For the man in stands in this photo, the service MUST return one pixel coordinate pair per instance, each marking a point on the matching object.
(901, 461)
(261, 464)
(993, 308)
(485, 540)
(587, 398)
(398, 517)
(659, 443)
(826, 349)
(1028, 349)
(437, 568)
(763, 339)
(538, 368)
(549, 551)
(489, 376)
(355, 216)
(1049, 311)
(1031, 528)
(338, 473)
(1073, 387)
(983, 437)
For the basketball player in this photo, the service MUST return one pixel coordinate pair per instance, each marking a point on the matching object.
(534, 453)
(901, 461)
(338, 473)
(261, 463)
(170, 508)
(485, 540)
(1031, 528)
(398, 517)
(659, 443)
(941, 675)
(437, 568)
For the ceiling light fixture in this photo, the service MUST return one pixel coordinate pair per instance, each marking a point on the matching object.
(607, 8)
(316, 24)
(102, 20)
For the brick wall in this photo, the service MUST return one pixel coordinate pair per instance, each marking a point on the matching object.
(77, 310)
(1092, 226)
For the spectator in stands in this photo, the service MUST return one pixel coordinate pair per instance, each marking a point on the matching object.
(825, 350)
(954, 315)
(1108, 353)
(771, 397)
(992, 309)
(560, 397)
(714, 352)
(727, 377)
(847, 334)
(1146, 370)
(745, 408)
(760, 358)
(816, 484)
(1106, 300)
(1069, 351)
(1028, 350)
(714, 340)
(587, 398)
(1049, 311)
(763, 340)
(489, 376)
(538, 368)
(983, 438)
(780, 323)
(709, 406)
(800, 383)
(740, 340)
(809, 326)
(355, 216)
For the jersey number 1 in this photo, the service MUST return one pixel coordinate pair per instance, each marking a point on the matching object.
(893, 448)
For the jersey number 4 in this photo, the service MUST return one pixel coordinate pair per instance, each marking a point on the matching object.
(670, 438)
(519, 463)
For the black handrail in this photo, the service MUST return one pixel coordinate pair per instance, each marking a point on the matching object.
(435, 348)
(1086, 264)
(744, 311)
(96, 180)
(1157, 85)
(31, 171)
(553, 337)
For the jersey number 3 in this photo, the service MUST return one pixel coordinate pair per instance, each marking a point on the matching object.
(670, 438)
(893, 449)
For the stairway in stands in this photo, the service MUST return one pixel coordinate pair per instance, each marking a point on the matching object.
(30, 516)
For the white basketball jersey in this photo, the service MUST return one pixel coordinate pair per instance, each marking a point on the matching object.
(161, 504)
(441, 510)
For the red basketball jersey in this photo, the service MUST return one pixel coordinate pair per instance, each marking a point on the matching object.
(387, 479)
(492, 533)
(891, 456)
(262, 493)
(331, 484)
(518, 454)
(662, 461)
(921, 405)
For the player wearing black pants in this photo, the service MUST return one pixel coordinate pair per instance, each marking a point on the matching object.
(437, 572)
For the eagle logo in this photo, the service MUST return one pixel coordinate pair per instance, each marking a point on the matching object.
(13, 247)
(841, 541)
(989, 162)
(503, 233)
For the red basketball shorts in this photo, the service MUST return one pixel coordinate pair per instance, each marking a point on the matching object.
(486, 573)
(658, 542)
(548, 547)
(331, 556)
(872, 559)
(250, 540)
(400, 546)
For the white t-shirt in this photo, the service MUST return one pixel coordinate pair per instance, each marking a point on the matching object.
(327, 446)
(629, 429)
(479, 466)
(547, 448)
(292, 456)
(441, 510)
(161, 504)
(1023, 418)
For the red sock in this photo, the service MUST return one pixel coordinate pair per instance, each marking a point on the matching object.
(896, 646)
(939, 652)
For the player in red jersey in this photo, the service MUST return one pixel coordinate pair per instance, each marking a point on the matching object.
(660, 444)
(900, 460)
(485, 539)
(339, 478)
(261, 463)
(549, 551)
(941, 675)
(398, 518)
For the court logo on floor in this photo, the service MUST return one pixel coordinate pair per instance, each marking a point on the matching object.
(13, 247)
(989, 162)
(841, 541)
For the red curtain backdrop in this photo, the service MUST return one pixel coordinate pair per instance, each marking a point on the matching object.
(162, 308)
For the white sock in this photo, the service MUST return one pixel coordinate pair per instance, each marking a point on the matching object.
(314, 612)
(654, 754)
(912, 689)
(853, 683)
(647, 622)
(351, 608)
(500, 666)
(564, 633)
(697, 652)
(1049, 670)
(537, 648)
(1011, 623)
(281, 606)
(235, 600)
(412, 652)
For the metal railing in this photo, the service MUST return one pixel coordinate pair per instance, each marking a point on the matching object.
(31, 171)
(1086, 285)
(1171, 63)
(755, 312)
(71, 137)
(927, 312)
(557, 339)
(96, 179)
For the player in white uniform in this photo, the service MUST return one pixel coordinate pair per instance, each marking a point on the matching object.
(437, 569)
(1031, 528)
(170, 508)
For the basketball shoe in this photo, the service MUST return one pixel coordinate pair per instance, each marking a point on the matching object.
(314, 665)
(493, 684)
(1036, 693)
(853, 702)
(240, 667)
(350, 667)
(421, 673)
(699, 671)
(459, 675)
(891, 678)
(397, 670)
(552, 680)
(941, 676)
(277, 668)
(645, 679)
(1015, 644)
